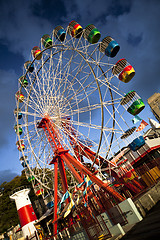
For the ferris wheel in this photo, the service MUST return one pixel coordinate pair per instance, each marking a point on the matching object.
(70, 105)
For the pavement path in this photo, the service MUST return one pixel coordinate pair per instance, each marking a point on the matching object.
(148, 228)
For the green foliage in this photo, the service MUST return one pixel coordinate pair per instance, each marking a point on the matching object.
(8, 211)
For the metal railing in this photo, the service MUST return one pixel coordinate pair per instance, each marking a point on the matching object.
(19, 189)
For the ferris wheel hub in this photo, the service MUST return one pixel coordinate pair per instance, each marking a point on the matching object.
(42, 123)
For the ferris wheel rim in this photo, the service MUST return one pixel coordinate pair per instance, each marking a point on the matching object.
(62, 45)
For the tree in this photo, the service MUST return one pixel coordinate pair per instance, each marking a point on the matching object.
(8, 211)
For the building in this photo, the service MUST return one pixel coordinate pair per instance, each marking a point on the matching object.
(154, 103)
(146, 159)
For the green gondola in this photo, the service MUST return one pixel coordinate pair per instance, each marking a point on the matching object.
(23, 81)
(46, 41)
(92, 34)
(132, 103)
(18, 129)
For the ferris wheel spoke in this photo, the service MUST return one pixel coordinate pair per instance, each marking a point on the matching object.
(32, 104)
(78, 72)
(76, 94)
(94, 126)
(39, 154)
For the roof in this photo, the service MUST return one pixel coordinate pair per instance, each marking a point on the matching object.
(151, 132)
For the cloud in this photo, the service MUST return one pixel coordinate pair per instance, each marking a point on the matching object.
(24, 22)
(7, 176)
(136, 32)
(134, 40)
(143, 24)
(20, 29)
(7, 104)
(133, 24)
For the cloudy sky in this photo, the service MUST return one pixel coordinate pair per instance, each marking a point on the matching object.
(133, 23)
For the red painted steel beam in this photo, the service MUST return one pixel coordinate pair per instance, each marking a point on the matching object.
(63, 175)
(55, 196)
(72, 169)
(88, 153)
(67, 157)
(51, 134)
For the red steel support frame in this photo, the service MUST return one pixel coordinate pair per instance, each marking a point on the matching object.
(55, 196)
(69, 159)
(60, 156)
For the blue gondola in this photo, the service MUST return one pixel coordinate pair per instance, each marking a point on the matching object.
(137, 143)
(59, 33)
(109, 46)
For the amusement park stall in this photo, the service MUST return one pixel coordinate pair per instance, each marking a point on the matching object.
(146, 159)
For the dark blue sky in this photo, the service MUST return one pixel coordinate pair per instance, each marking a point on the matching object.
(133, 23)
